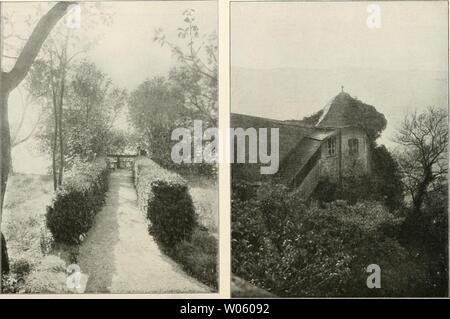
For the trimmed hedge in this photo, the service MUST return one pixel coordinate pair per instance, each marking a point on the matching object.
(77, 201)
(164, 197)
(171, 213)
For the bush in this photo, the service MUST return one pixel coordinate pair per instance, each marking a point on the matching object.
(291, 248)
(146, 172)
(21, 268)
(171, 213)
(199, 256)
(166, 201)
(383, 184)
(164, 197)
(77, 201)
(10, 284)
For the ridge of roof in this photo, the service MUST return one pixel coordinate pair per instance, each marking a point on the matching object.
(281, 122)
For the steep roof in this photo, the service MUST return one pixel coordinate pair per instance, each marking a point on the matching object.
(335, 113)
(289, 134)
(296, 160)
(297, 144)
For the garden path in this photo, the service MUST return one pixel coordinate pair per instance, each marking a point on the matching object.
(118, 254)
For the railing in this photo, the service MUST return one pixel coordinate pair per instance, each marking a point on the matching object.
(120, 160)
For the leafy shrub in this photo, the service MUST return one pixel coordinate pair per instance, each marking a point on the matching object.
(171, 213)
(383, 184)
(146, 172)
(46, 240)
(164, 197)
(46, 281)
(291, 248)
(10, 284)
(77, 200)
(21, 268)
(240, 288)
(199, 256)
(167, 203)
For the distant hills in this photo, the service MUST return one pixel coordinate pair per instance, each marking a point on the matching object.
(292, 93)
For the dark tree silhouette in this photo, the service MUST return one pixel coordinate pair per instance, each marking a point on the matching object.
(10, 80)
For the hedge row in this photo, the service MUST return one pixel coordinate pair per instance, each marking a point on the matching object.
(164, 197)
(145, 172)
(77, 201)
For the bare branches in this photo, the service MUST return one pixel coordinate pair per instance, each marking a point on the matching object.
(33, 45)
(423, 159)
(15, 136)
(196, 74)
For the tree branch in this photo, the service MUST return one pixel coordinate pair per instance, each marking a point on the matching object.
(31, 49)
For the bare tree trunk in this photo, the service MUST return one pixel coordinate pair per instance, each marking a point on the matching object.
(54, 144)
(421, 191)
(10, 80)
(5, 161)
(61, 102)
(61, 146)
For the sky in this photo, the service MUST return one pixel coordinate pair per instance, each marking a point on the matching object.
(329, 35)
(125, 51)
(302, 52)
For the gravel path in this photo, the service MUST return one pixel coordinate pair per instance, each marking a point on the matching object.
(119, 256)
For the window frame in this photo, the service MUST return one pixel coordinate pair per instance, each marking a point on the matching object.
(352, 150)
(331, 146)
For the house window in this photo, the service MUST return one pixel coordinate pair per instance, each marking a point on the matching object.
(332, 146)
(353, 146)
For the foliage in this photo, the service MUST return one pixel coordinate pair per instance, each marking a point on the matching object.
(155, 109)
(290, 248)
(387, 177)
(312, 119)
(423, 160)
(196, 74)
(171, 213)
(199, 256)
(145, 172)
(435, 250)
(367, 118)
(10, 284)
(164, 197)
(167, 202)
(422, 155)
(188, 93)
(77, 200)
(383, 184)
(92, 104)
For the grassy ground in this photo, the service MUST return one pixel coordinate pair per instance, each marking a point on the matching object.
(205, 195)
(25, 201)
(199, 256)
(23, 221)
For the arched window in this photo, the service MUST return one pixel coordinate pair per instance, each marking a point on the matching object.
(353, 146)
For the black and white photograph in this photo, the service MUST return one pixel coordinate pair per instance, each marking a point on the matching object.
(95, 198)
(339, 173)
(239, 157)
